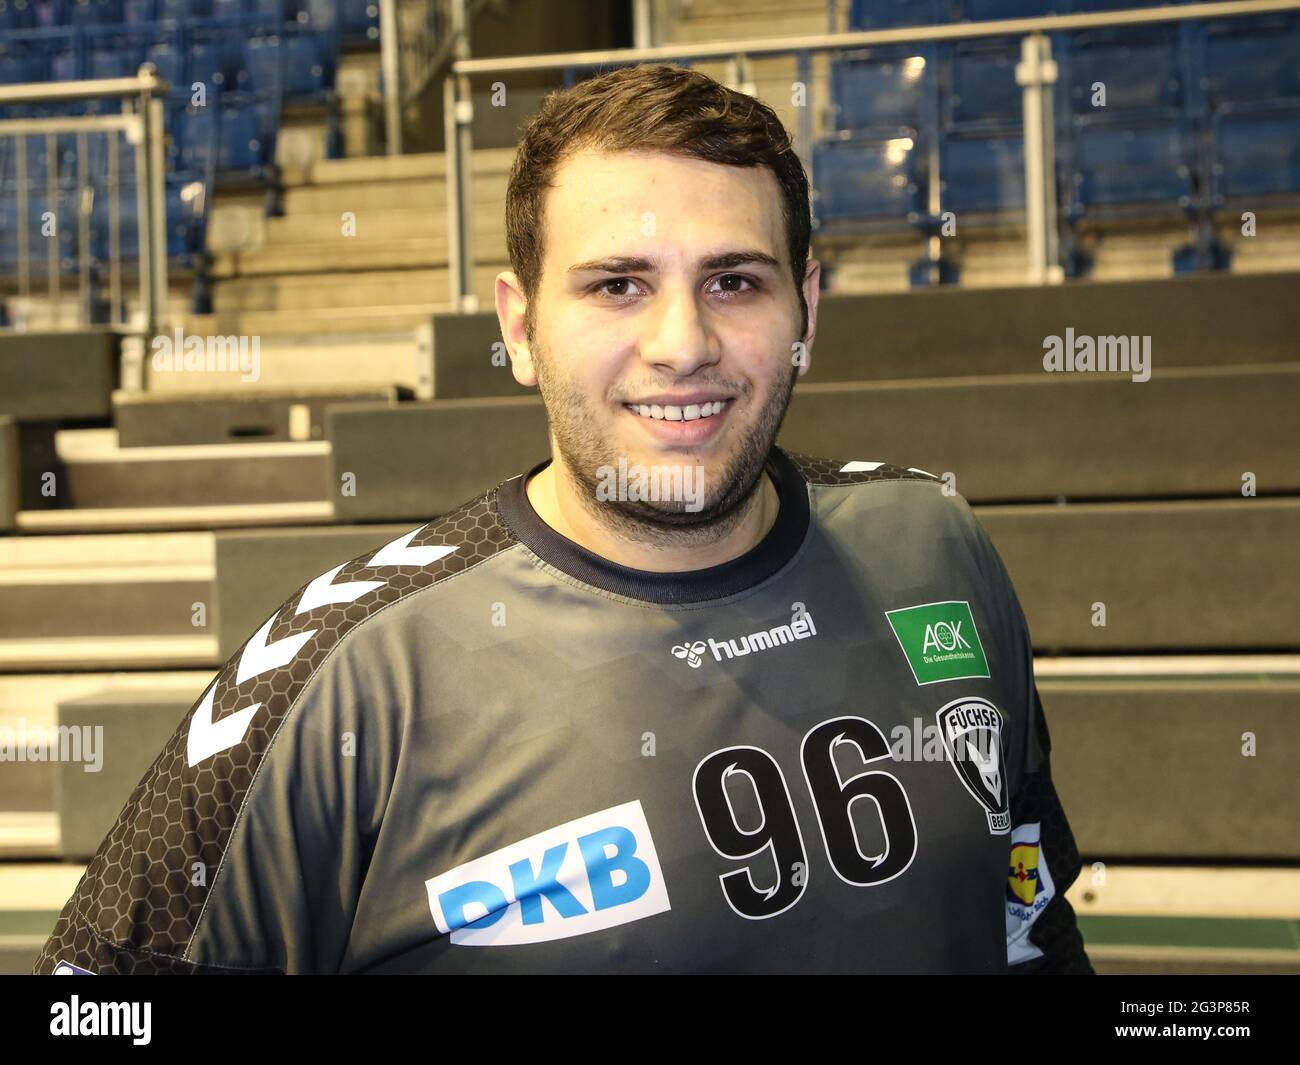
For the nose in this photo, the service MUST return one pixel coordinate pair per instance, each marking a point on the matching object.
(677, 335)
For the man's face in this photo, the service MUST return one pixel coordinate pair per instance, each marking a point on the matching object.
(665, 290)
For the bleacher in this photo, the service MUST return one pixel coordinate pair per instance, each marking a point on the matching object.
(1196, 118)
(233, 66)
(187, 506)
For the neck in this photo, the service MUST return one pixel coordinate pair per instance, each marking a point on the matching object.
(560, 503)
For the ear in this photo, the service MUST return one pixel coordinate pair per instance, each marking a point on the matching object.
(811, 292)
(511, 305)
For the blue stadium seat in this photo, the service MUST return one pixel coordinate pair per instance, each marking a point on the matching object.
(136, 12)
(1122, 166)
(168, 59)
(983, 86)
(1141, 70)
(305, 71)
(183, 199)
(982, 174)
(874, 93)
(194, 133)
(865, 180)
(183, 10)
(15, 15)
(1256, 153)
(16, 66)
(114, 57)
(1069, 7)
(92, 12)
(65, 62)
(988, 10)
(208, 61)
(247, 133)
(292, 64)
(359, 18)
(884, 14)
(1250, 59)
(46, 13)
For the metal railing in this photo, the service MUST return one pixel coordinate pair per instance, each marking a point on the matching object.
(138, 129)
(418, 40)
(1036, 74)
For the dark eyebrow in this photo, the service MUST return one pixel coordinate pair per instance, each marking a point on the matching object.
(629, 264)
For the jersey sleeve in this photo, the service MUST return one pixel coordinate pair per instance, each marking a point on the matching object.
(1043, 936)
(243, 847)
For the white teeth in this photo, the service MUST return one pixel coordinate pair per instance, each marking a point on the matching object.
(689, 413)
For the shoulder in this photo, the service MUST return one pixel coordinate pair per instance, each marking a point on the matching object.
(828, 472)
(278, 660)
(893, 508)
(186, 807)
(847, 487)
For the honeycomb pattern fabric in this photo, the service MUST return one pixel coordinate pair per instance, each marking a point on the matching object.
(140, 899)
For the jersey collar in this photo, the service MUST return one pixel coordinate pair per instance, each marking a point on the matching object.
(763, 560)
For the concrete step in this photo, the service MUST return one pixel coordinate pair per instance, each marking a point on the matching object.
(1183, 433)
(94, 471)
(418, 219)
(29, 706)
(29, 834)
(376, 184)
(338, 254)
(710, 25)
(378, 353)
(348, 290)
(84, 588)
(33, 894)
(380, 169)
(1186, 576)
(122, 519)
(327, 321)
(149, 419)
(1157, 769)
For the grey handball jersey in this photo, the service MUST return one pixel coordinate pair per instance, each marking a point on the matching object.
(481, 748)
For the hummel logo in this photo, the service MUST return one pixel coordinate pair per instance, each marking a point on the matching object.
(691, 653)
(801, 628)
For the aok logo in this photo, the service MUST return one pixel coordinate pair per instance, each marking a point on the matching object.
(593, 873)
(944, 636)
(940, 641)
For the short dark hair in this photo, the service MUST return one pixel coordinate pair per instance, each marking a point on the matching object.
(651, 108)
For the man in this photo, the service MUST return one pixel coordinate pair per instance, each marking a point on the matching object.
(674, 701)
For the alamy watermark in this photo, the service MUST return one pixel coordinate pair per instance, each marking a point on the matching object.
(60, 743)
(1100, 354)
(637, 483)
(179, 353)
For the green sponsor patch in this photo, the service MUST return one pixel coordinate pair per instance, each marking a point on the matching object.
(940, 641)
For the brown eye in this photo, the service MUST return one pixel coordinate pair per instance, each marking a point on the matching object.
(732, 283)
(621, 283)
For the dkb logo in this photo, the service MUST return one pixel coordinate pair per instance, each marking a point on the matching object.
(593, 873)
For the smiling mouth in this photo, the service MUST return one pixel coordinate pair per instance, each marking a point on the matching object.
(689, 413)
